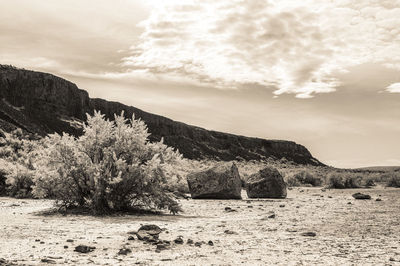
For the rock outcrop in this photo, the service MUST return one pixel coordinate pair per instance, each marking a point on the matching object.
(219, 182)
(43, 103)
(267, 183)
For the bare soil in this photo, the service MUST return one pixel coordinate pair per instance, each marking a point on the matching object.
(347, 232)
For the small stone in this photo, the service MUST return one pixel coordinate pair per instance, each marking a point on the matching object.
(161, 247)
(48, 261)
(250, 206)
(42, 242)
(124, 251)
(179, 240)
(197, 244)
(392, 259)
(37, 240)
(272, 216)
(210, 243)
(361, 196)
(229, 209)
(70, 240)
(131, 238)
(65, 247)
(229, 232)
(378, 199)
(84, 249)
(349, 203)
(312, 234)
(282, 206)
(189, 241)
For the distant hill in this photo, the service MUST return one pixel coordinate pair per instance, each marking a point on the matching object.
(43, 103)
(381, 168)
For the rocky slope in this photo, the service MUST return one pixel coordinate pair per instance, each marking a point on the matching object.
(43, 103)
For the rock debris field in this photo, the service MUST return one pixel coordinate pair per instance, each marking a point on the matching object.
(312, 226)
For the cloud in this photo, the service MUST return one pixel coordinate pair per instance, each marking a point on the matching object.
(393, 88)
(285, 46)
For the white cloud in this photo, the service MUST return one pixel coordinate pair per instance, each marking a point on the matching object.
(393, 88)
(289, 46)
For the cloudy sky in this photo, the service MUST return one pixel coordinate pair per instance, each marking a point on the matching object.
(325, 74)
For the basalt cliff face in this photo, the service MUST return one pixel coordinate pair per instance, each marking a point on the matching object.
(43, 103)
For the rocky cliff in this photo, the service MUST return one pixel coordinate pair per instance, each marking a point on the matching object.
(43, 103)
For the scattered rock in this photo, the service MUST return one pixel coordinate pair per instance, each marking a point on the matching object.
(65, 247)
(162, 246)
(229, 232)
(267, 183)
(272, 216)
(229, 209)
(131, 238)
(84, 249)
(124, 251)
(312, 234)
(219, 182)
(198, 244)
(361, 196)
(148, 233)
(378, 199)
(70, 240)
(282, 206)
(189, 241)
(349, 203)
(178, 240)
(48, 261)
(210, 243)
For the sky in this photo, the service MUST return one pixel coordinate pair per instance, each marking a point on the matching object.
(325, 74)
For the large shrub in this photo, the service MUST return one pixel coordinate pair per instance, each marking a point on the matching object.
(17, 164)
(343, 180)
(394, 180)
(111, 167)
(304, 178)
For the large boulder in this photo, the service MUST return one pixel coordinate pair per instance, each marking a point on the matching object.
(267, 183)
(219, 182)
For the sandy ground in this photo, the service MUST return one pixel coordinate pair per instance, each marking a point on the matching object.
(365, 232)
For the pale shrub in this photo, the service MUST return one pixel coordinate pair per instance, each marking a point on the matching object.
(111, 167)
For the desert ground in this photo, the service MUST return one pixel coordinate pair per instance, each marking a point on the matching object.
(348, 232)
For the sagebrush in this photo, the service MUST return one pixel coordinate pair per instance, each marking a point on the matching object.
(111, 167)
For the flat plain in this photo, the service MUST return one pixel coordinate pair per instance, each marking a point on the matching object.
(251, 232)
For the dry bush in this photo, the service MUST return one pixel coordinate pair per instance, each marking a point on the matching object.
(304, 177)
(394, 180)
(111, 167)
(343, 180)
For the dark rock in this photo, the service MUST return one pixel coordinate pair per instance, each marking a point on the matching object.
(272, 216)
(229, 232)
(361, 196)
(148, 233)
(70, 240)
(84, 249)
(65, 247)
(229, 209)
(131, 238)
(198, 244)
(124, 251)
(49, 261)
(162, 246)
(282, 206)
(178, 240)
(42, 103)
(219, 182)
(189, 241)
(210, 243)
(378, 199)
(267, 183)
(311, 234)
